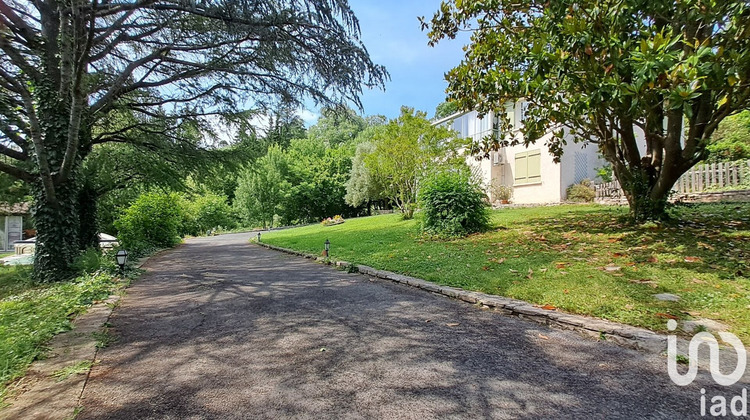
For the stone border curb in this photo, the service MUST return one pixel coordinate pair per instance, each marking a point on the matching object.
(621, 334)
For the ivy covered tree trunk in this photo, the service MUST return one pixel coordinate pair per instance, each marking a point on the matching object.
(57, 224)
(88, 225)
(56, 199)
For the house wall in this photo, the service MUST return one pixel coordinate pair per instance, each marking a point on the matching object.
(547, 190)
(11, 230)
(578, 163)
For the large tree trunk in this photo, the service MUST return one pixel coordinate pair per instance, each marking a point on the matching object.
(647, 189)
(57, 224)
(88, 225)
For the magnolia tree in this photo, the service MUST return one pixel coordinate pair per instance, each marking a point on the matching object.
(613, 73)
(67, 66)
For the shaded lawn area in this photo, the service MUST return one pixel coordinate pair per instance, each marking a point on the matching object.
(580, 259)
(31, 314)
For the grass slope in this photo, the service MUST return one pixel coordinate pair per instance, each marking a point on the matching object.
(581, 259)
(31, 314)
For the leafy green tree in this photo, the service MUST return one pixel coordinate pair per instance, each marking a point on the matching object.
(261, 188)
(317, 177)
(207, 211)
(361, 187)
(284, 125)
(145, 159)
(731, 140)
(445, 109)
(337, 126)
(608, 72)
(406, 150)
(13, 190)
(68, 66)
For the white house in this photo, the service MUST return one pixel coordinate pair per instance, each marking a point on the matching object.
(530, 171)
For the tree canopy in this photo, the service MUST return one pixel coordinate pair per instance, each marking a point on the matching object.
(611, 73)
(67, 67)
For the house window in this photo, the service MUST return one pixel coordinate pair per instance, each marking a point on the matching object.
(524, 111)
(528, 167)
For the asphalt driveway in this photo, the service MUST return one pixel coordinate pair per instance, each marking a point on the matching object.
(219, 328)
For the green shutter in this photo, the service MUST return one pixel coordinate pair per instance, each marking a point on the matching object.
(521, 168)
(528, 168)
(534, 166)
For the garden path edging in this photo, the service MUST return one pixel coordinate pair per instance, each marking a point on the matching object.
(621, 334)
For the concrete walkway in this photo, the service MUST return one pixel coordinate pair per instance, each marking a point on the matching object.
(219, 328)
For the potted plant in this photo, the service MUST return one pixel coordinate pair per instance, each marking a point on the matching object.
(503, 193)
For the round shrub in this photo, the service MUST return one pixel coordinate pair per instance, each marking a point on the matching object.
(206, 212)
(582, 193)
(453, 205)
(153, 221)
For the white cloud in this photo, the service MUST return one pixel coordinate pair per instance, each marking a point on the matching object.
(309, 117)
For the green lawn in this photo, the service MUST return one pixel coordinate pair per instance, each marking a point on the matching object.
(31, 314)
(580, 259)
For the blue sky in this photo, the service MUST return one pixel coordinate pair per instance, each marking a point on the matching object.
(391, 33)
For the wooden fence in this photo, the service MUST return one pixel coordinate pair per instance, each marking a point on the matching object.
(701, 178)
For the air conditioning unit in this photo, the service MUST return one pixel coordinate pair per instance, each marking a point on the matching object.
(498, 158)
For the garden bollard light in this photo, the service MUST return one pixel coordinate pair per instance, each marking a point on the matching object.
(327, 248)
(122, 258)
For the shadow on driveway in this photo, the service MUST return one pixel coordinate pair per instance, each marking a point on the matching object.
(219, 328)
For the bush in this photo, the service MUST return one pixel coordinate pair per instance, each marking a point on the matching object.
(207, 212)
(582, 193)
(153, 221)
(452, 205)
(92, 260)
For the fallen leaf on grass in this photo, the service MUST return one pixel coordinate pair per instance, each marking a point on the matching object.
(548, 307)
(513, 271)
(566, 291)
(560, 265)
(629, 307)
(705, 246)
(692, 259)
(663, 315)
(543, 270)
(611, 268)
(653, 260)
(618, 255)
(530, 274)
